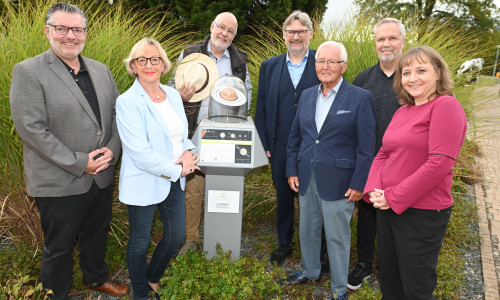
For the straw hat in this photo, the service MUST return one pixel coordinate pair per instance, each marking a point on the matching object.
(200, 70)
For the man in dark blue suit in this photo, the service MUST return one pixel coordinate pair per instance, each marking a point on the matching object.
(330, 151)
(282, 79)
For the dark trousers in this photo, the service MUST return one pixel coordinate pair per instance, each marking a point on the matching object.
(408, 248)
(285, 196)
(173, 217)
(367, 232)
(64, 220)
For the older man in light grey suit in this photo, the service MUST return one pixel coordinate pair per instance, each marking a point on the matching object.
(63, 108)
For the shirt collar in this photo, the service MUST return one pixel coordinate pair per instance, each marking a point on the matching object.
(83, 67)
(209, 49)
(382, 71)
(303, 59)
(332, 91)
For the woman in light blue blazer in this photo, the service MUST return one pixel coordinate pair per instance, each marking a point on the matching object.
(157, 155)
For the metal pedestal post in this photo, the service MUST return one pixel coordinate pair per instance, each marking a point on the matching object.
(221, 227)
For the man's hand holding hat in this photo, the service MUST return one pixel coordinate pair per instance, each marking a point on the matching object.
(195, 76)
(187, 91)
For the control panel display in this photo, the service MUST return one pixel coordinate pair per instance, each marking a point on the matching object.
(226, 146)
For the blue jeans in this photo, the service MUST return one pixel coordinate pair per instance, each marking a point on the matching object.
(172, 213)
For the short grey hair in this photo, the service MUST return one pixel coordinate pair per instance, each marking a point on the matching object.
(390, 20)
(302, 17)
(140, 48)
(340, 46)
(65, 7)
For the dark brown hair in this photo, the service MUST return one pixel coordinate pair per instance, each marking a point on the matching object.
(444, 84)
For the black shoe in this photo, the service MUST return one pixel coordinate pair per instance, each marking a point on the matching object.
(297, 278)
(325, 266)
(357, 275)
(280, 254)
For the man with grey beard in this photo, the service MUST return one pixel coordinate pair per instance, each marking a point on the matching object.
(229, 61)
(389, 44)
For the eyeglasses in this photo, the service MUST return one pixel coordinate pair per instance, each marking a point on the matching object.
(331, 63)
(291, 33)
(142, 61)
(63, 30)
(223, 28)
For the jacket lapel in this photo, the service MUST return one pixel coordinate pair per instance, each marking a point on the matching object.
(276, 77)
(339, 101)
(100, 92)
(311, 69)
(312, 108)
(57, 66)
(151, 106)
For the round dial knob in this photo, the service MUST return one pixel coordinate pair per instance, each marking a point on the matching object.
(243, 151)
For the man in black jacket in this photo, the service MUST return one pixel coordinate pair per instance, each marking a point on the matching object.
(378, 79)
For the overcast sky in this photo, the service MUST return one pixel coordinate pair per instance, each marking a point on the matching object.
(336, 9)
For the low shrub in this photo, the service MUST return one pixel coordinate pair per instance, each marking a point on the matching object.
(195, 277)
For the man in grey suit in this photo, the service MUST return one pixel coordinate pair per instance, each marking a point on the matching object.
(63, 108)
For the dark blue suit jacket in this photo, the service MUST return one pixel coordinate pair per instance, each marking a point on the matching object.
(267, 97)
(342, 152)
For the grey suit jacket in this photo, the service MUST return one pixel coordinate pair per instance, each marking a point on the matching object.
(57, 125)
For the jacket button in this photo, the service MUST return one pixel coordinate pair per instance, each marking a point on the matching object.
(99, 132)
(317, 142)
(312, 160)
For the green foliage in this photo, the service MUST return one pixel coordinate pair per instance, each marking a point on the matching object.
(260, 196)
(366, 293)
(195, 277)
(477, 18)
(197, 15)
(468, 14)
(21, 288)
(17, 259)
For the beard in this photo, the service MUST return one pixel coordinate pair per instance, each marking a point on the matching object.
(297, 50)
(392, 57)
(219, 45)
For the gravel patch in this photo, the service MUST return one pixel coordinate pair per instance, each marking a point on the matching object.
(473, 284)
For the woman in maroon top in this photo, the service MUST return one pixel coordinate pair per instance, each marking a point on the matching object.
(410, 178)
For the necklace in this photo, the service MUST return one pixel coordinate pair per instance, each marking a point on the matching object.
(156, 98)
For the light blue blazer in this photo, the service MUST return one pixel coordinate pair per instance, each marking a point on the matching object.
(147, 167)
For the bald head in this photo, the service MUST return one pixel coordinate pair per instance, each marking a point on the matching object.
(222, 32)
(227, 17)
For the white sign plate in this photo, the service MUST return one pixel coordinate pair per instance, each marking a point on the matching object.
(223, 201)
